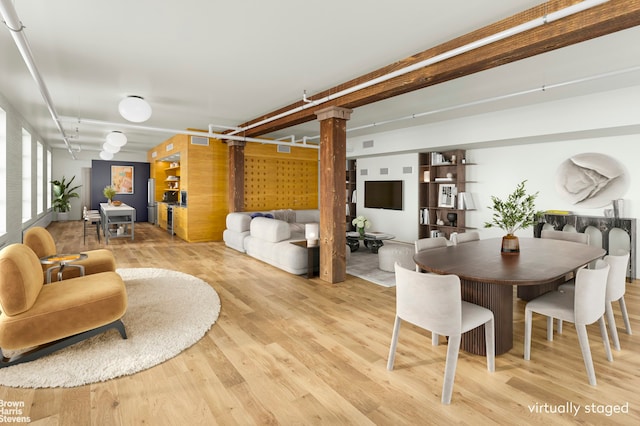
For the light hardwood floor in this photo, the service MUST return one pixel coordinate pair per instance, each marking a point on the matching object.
(288, 350)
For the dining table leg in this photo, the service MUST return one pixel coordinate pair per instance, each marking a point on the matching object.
(499, 299)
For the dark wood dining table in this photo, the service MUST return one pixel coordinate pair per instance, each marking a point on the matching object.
(487, 277)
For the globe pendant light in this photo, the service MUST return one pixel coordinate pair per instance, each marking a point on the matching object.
(134, 109)
(106, 155)
(110, 148)
(116, 138)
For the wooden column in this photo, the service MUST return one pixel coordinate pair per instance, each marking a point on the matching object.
(236, 176)
(333, 159)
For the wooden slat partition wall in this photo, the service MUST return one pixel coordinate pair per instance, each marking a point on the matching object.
(275, 180)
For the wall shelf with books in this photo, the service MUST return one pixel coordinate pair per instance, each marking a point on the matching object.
(443, 199)
(351, 193)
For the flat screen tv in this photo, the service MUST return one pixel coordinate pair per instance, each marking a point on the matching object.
(383, 194)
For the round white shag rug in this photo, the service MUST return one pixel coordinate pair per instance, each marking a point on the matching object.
(167, 312)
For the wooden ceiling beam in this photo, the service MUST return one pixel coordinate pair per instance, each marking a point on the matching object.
(607, 18)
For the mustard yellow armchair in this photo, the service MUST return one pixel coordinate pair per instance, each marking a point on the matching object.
(45, 318)
(41, 242)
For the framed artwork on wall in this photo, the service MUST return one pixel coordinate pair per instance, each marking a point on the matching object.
(447, 195)
(122, 179)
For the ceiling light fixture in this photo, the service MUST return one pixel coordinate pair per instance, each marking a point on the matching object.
(106, 155)
(110, 148)
(134, 109)
(117, 138)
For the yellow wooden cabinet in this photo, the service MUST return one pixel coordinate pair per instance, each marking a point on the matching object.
(180, 223)
(162, 215)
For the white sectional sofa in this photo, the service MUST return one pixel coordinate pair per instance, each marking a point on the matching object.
(269, 238)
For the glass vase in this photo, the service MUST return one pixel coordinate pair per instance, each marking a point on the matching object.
(510, 244)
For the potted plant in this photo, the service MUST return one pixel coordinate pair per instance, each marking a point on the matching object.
(62, 195)
(109, 192)
(516, 212)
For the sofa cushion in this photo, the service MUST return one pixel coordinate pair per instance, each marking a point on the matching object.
(238, 222)
(286, 215)
(307, 216)
(271, 230)
(234, 239)
(21, 279)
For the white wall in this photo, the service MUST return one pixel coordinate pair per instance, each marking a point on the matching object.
(500, 169)
(601, 114)
(401, 223)
(511, 146)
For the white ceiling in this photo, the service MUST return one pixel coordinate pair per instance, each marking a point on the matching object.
(202, 62)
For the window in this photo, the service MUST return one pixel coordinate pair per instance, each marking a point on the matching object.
(26, 176)
(48, 182)
(40, 176)
(3, 172)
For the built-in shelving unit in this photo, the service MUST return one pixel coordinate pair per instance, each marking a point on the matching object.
(351, 190)
(443, 198)
(172, 179)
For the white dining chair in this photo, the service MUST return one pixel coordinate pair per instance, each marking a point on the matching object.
(427, 244)
(434, 302)
(575, 237)
(616, 287)
(582, 307)
(465, 237)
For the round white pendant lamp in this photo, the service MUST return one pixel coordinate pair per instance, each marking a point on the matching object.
(135, 109)
(110, 148)
(116, 138)
(106, 155)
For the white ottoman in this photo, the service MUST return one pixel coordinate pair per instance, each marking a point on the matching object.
(391, 253)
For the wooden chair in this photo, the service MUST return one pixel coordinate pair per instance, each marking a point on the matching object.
(582, 307)
(434, 302)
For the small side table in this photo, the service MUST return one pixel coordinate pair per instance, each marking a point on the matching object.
(313, 257)
(60, 262)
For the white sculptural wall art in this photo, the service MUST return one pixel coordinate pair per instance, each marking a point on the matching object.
(592, 180)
